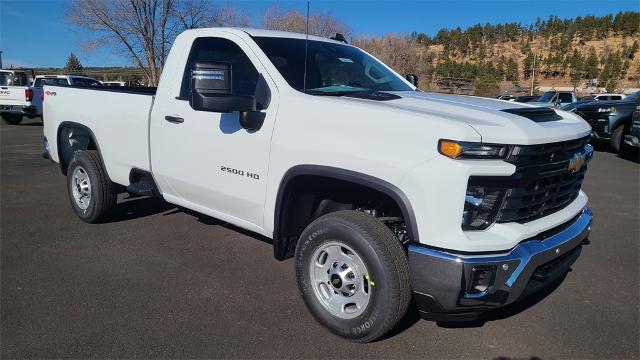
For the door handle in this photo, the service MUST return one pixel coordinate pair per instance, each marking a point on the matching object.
(174, 119)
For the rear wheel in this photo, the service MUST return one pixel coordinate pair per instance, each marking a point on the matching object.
(13, 119)
(353, 275)
(90, 191)
(616, 139)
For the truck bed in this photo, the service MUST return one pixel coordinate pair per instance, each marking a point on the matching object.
(117, 113)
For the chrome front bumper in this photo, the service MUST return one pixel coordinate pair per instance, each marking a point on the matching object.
(445, 282)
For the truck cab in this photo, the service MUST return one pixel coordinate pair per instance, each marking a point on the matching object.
(555, 99)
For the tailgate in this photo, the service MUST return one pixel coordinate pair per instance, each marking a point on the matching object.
(13, 95)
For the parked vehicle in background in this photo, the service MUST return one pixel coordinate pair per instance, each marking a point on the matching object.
(114, 83)
(16, 97)
(526, 98)
(64, 80)
(555, 99)
(633, 138)
(505, 97)
(609, 97)
(58, 80)
(380, 192)
(610, 120)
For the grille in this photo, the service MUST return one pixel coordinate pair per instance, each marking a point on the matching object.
(542, 183)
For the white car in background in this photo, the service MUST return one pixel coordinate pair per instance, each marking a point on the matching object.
(16, 97)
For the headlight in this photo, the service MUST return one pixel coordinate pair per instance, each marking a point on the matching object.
(480, 207)
(471, 150)
(607, 110)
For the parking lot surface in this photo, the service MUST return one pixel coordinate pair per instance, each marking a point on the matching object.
(160, 281)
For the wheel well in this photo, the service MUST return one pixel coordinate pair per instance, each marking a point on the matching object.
(306, 197)
(73, 137)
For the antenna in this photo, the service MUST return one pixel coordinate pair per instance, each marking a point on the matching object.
(306, 46)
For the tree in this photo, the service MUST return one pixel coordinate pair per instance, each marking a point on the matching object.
(144, 30)
(591, 65)
(320, 24)
(73, 65)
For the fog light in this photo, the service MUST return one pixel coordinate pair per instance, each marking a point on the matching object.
(482, 278)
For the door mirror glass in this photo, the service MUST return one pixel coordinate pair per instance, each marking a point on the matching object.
(212, 89)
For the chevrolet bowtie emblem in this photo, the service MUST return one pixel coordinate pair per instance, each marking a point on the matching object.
(577, 162)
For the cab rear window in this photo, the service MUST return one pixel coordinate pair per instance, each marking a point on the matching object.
(13, 79)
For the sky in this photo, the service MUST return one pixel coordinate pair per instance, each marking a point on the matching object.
(36, 34)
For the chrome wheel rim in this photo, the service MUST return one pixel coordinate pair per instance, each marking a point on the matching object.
(81, 187)
(339, 279)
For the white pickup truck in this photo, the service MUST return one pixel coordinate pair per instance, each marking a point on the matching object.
(381, 192)
(17, 98)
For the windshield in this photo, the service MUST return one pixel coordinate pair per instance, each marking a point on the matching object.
(633, 97)
(332, 69)
(40, 82)
(547, 97)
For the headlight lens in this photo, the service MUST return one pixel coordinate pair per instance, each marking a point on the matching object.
(607, 110)
(470, 150)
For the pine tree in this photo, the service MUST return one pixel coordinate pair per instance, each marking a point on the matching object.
(591, 65)
(73, 65)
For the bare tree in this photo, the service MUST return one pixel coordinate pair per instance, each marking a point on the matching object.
(320, 24)
(145, 29)
(400, 52)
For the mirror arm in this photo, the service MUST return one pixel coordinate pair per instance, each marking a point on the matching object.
(251, 120)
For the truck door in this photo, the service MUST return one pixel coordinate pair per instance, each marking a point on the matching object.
(205, 160)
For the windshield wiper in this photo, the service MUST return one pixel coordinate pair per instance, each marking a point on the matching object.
(334, 93)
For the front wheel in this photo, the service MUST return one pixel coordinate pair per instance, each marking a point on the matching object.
(90, 191)
(616, 139)
(353, 275)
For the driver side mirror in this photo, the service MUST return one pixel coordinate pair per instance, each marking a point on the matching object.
(412, 78)
(212, 90)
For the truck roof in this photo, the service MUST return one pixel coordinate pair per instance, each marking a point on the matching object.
(266, 33)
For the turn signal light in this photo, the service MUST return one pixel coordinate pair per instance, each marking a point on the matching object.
(451, 149)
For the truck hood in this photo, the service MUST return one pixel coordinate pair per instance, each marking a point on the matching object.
(594, 105)
(488, 118)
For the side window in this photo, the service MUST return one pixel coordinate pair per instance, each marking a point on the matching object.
(244, 75)
(20, 79)
(565, 97)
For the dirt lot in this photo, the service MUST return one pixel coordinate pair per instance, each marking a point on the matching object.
(157, 281)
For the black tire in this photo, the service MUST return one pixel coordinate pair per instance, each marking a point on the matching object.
(13, 119)
(386, 263)
(616, 139)
(102, 196)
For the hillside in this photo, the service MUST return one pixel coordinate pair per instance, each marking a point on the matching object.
(488, 58)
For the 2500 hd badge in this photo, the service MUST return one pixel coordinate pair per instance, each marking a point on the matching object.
(240, 172)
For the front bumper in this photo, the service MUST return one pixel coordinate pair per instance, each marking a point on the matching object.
(445, 284)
